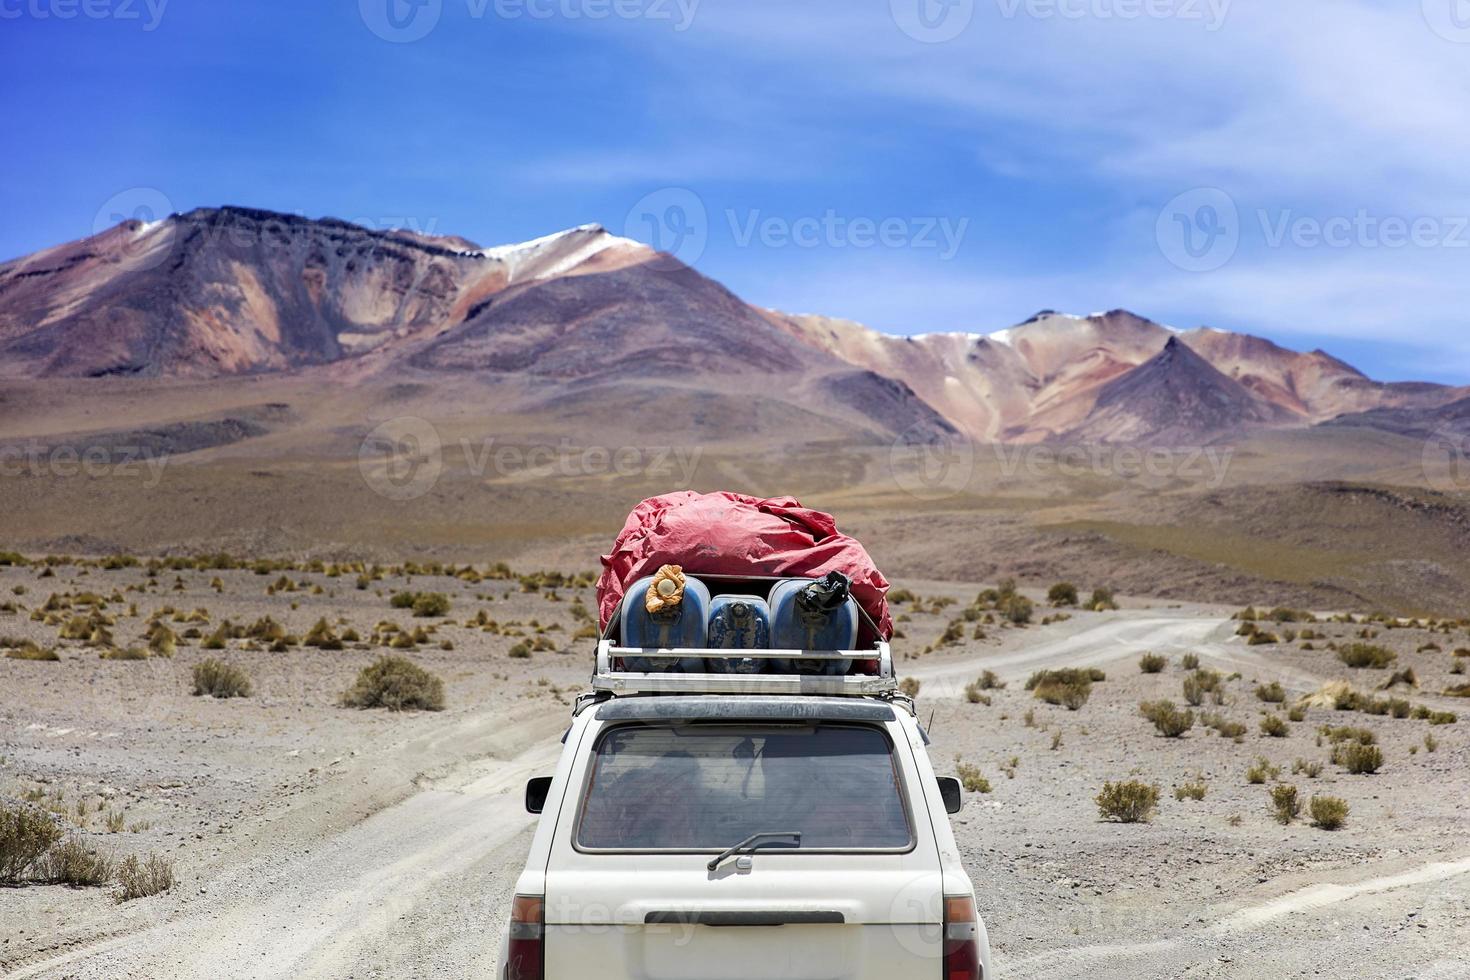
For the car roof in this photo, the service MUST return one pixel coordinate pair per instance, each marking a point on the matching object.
(743, 708)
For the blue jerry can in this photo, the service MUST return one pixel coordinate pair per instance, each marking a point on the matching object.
(683, 625)
(739, 622)
(813, 614)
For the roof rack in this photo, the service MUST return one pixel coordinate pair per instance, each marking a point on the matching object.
(614, 681)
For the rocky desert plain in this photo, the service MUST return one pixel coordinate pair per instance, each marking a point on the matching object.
(307, 838)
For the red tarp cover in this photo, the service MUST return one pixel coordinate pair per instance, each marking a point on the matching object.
(733, 534)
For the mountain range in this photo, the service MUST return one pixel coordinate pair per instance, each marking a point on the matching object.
(582, 320)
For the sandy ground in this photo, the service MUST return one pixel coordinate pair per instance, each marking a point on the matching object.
(313, 840)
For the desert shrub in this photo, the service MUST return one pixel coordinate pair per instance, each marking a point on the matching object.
(1261, 638)
(1169, 720)
(1275, 726)
(1366, 655)
(1272, 693)
(1281, 614)
(1102, 599)
(899, 596)
(1130, 802)
(975, 695)
(397, 684)
(1261, 771)
(220, 680)
(1062, 594)
(1311, 769)
(970, 777)
(1405, 677)
(72, 862)
(1296, 713)
(1016, 608)
(1431, 743)
(1357, 758)
(142, 878)
(1070, 689)
(909, 686)
(1327, 812)
(403, 600)
(1190, 661)
(162, 641)
(217, 639)
(427, 604)
(1348, 733)
(1195, 789)
(29, 651)
(1201, 683)
(1224, 726)
(1286, 804)
(322, 637)
(26, 834)
(521, 651)
(1152, 663)
(1458, 691)
(989, 681)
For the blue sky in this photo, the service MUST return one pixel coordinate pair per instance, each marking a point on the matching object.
(1286, 168)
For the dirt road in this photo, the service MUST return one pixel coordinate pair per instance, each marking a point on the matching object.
(1118, 637)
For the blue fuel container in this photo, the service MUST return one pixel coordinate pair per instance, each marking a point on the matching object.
(813, 614)
(684, 625)
(739, 622)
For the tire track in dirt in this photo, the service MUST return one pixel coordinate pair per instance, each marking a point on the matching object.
(342, 907)
(1218, 950)
(1105, 642)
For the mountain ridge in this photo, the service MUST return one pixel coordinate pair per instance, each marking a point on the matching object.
(233, 291)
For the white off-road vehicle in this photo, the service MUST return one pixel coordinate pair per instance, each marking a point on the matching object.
(726, 826)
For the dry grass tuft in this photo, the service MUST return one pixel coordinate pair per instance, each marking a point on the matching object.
(1130, 802)
(397, 684)
(220, 680)
(142, 878)
(1328, 812)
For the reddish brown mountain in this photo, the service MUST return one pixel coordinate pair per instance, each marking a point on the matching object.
(584, 321)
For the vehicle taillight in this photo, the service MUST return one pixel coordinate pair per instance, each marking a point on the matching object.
(525, 957)
(961, 940)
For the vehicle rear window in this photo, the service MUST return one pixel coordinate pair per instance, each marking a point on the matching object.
(694, 788)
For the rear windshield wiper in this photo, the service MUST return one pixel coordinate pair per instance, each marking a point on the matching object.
(752, 842)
